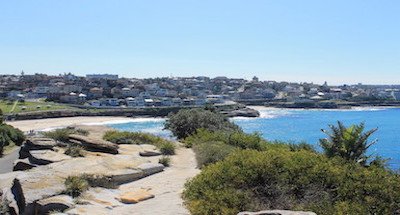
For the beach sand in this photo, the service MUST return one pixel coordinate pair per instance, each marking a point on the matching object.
(42, 124)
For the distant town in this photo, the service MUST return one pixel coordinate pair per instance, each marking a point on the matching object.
(112, 91)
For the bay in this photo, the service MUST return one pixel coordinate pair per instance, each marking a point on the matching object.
(299, 125)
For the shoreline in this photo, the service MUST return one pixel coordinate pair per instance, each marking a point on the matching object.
(51, 123)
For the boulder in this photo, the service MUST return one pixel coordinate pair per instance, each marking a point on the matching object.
(54, 203)
(151, 168)
(277, 212)
(133, 197)
(95, 145)
(149, 153)
(23, 164)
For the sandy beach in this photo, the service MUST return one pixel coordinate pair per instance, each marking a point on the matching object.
(41, 124)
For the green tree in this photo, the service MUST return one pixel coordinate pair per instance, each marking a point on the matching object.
(350, 143)
(187, 122)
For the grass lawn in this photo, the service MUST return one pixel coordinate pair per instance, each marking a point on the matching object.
(29, 106)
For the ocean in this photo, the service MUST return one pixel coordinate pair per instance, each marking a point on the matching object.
(298, 125)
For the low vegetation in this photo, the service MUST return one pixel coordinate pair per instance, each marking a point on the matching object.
(297, 180)
(165, 160)
(76, 185)
(211, 152)
(75, 151)
(124, 137)
(187, 121)
(62, 134)
(167, 148)
(9, 135)
(244, 172)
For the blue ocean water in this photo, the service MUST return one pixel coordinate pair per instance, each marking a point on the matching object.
(305, 125)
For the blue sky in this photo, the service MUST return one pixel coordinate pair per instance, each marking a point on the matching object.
(340, 41)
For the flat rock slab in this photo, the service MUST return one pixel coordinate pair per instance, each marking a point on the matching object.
(101, 196)
(90, 209)
(40, 143)
(54, 203)
(95, 145)
(133, 197)
(151, 168)
(44, 157)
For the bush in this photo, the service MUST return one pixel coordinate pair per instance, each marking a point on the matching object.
(165, 160)
(249, 180)
(124, 137)
(167, 148)
(75, 151)
(211, 152)
(9, 135)
(236, 138)
(62, 134)
(187, 121)
(75, 185)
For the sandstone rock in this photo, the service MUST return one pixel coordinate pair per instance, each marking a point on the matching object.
(133, 197)
(151, 168)
(277, 212)
(89, 209)
(95, 145)
(11, 193)
(54, 203)
(101, 197)
(22, 165)
(123, 176)
(149, 153)
(39, 183)
(44, 157)
(40, 143)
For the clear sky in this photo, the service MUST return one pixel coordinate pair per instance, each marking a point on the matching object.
(340, 41)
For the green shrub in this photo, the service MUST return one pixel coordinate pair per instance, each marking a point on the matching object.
(236, 138)
(167, 148)
(75, 185)
(126, 137)
(10, 135)
(249, 180)
(187, 121)
(211, 152)
(165, 160)
(350, 143)
(62, 134)
(75, 151)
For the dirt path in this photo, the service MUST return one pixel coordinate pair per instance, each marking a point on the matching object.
(167, 187)
(7, 161)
